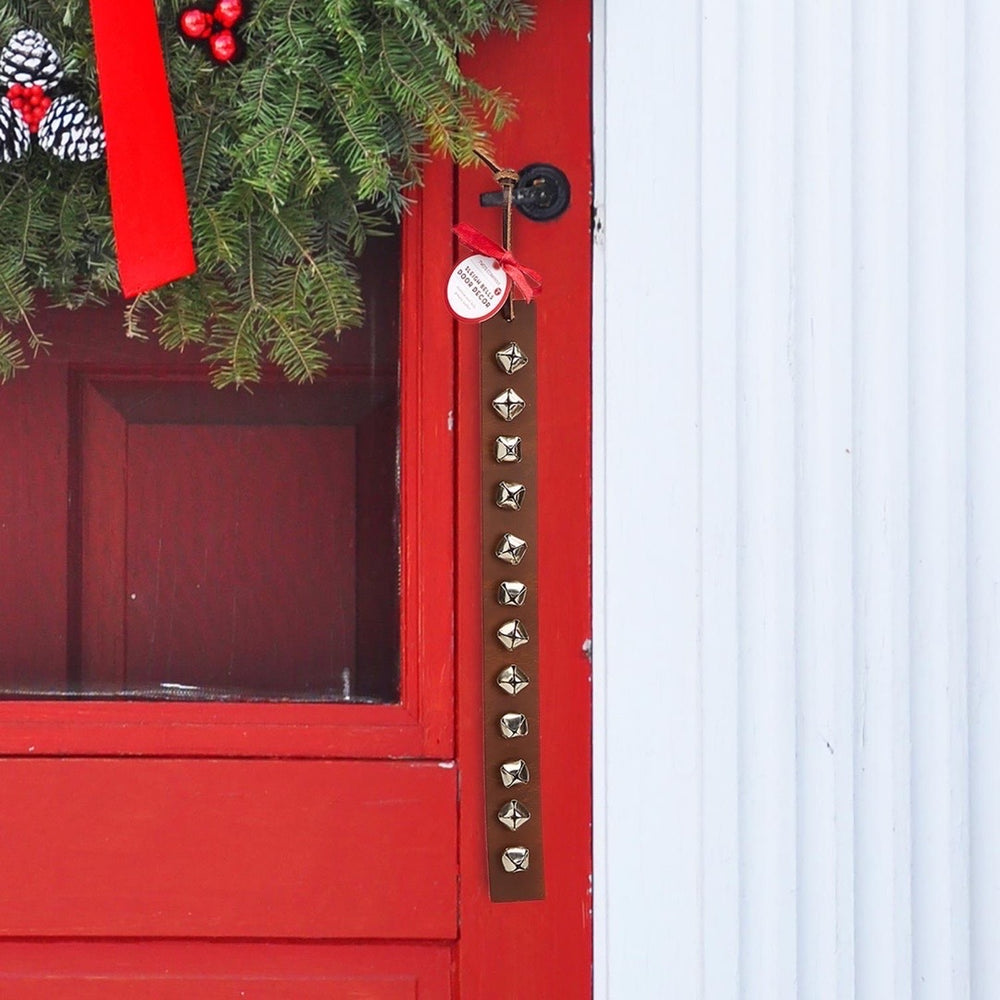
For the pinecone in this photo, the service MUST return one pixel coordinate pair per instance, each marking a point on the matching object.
(15, 137)
(71, 131)
(29, 58)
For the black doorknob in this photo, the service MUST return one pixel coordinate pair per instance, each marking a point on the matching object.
(541, 193)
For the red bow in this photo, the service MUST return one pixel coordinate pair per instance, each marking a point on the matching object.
(148, 199)
(527, 282)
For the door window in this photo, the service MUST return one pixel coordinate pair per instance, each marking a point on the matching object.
(163, 539)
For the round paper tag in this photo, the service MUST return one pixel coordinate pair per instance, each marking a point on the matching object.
(477, 288)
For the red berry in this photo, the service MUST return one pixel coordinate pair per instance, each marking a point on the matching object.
(31, 103)
(223, 45)
(196, 23)
(228, 12)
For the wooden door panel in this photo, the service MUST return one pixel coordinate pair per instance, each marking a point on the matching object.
(217, 550)
(196, 971)
(240, 558)
(228, 849)
(151, 987)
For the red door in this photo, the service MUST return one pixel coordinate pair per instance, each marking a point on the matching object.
(242, 740)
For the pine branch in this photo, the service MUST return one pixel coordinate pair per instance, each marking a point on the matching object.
(293, 160)
(11, 356)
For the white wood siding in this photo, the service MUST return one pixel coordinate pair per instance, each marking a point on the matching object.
(797, 499)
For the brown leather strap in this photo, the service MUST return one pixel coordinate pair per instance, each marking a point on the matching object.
(510, 607)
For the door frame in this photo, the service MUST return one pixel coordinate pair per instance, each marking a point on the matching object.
(536, 949)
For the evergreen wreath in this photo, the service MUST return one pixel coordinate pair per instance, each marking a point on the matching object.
(293, 158)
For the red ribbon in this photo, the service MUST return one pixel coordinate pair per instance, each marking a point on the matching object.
(527, 281)
(148, 200)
